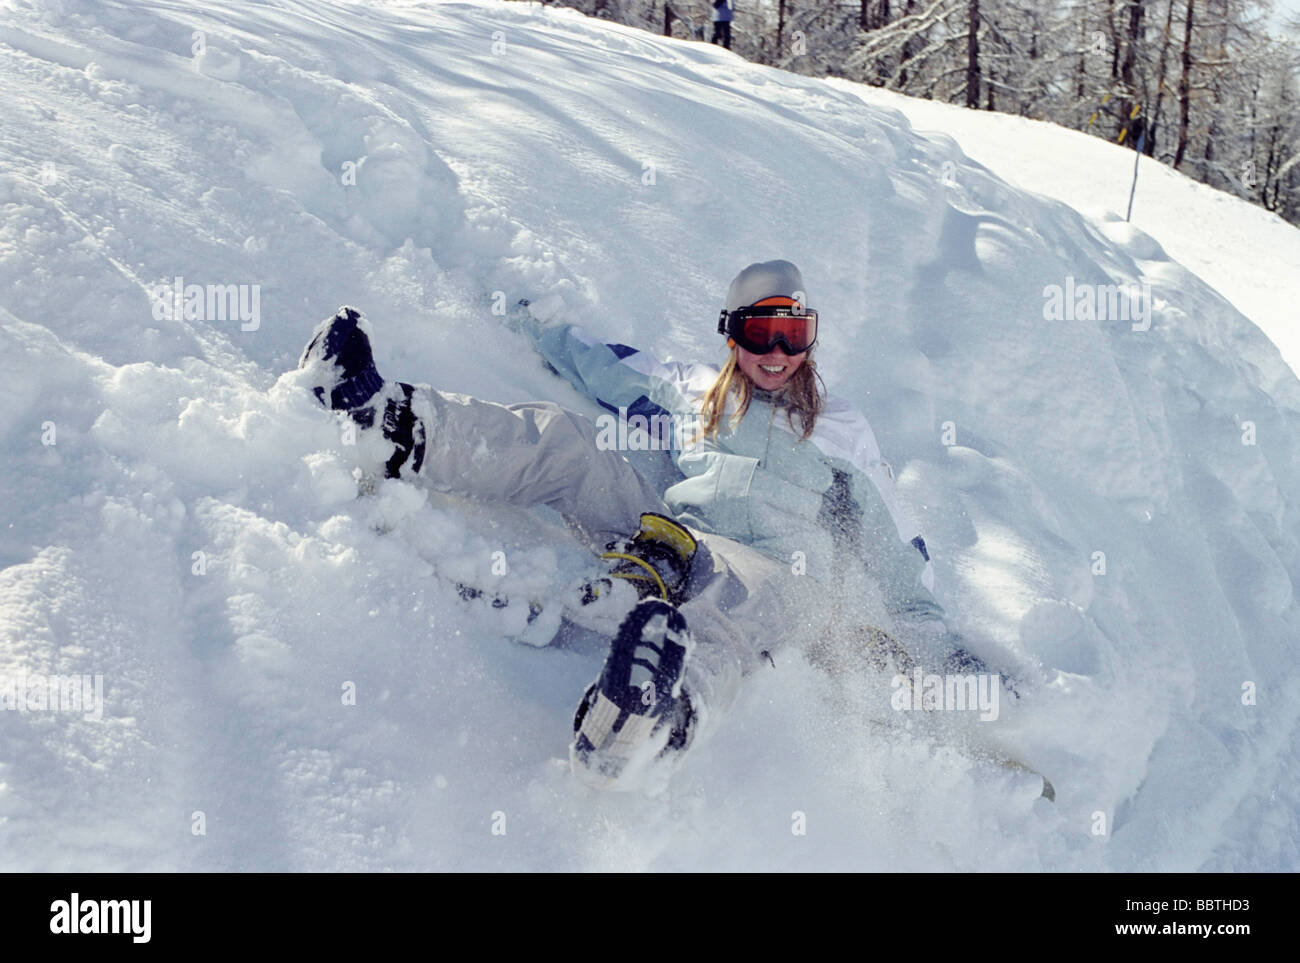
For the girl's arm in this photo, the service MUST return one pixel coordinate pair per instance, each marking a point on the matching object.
(614, 375)
(895, 556)
(881, 534)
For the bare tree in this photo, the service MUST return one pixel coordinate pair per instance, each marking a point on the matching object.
(1185, 84)
(1114, 68)
(1134, 43)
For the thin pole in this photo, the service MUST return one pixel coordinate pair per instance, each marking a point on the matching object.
(1137, 156)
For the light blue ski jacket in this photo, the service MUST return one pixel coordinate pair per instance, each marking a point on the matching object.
(826, 503)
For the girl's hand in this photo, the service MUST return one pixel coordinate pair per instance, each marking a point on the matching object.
(546, 310)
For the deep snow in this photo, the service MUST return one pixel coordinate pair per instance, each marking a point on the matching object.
(634, 175)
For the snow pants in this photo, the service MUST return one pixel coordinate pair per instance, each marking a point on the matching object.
(539, 453)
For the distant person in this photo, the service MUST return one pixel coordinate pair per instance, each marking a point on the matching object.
(722, 14)
(1135, 139)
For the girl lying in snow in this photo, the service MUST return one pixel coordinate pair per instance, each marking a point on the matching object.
(783, 519)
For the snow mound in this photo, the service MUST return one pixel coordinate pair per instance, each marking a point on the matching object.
(291, 678)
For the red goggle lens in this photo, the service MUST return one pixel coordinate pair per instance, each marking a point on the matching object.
(759, 333)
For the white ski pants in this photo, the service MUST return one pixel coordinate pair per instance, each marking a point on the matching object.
(539, 453)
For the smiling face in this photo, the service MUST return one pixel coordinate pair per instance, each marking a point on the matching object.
(769, 371)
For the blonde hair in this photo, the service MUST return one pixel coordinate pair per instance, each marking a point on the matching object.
(802, 397)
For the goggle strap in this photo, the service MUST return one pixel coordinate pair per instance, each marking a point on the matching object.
(769, 311)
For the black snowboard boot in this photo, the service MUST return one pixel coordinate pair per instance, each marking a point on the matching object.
(637, 709)
(345, 379)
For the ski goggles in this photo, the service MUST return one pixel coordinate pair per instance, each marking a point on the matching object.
(761, 327)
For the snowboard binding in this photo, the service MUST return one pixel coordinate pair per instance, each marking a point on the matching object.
(656, 559)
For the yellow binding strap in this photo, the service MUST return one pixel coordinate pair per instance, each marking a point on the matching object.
(663, 589)
(669, 532)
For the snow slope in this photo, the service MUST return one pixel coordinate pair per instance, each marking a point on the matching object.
(513, 148)
(1249, 255)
